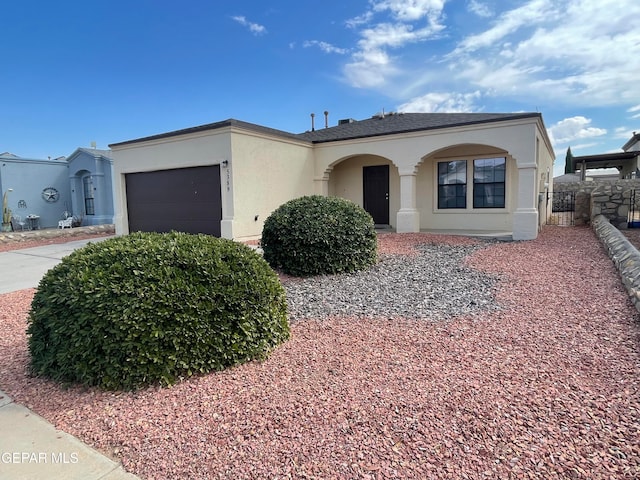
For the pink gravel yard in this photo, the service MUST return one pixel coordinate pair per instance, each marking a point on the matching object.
(546, 387)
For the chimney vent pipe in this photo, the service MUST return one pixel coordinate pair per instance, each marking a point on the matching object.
(326, 119)
(313, 128)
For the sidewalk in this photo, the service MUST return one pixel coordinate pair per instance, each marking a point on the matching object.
(30, 447)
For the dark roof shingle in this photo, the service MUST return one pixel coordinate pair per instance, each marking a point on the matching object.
(376, 126)
(405, 123)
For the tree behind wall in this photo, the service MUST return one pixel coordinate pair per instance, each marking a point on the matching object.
(568, 162)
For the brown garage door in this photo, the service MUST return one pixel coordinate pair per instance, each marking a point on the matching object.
(183, 199)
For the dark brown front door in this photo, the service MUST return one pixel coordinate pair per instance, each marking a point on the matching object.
(376, 193)
(184, 199)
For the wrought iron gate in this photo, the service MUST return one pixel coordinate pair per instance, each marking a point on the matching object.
(563, 208)
(633, 220)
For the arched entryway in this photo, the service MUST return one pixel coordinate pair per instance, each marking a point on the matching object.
(370, 181)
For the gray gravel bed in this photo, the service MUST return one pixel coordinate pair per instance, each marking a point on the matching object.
(432, 285)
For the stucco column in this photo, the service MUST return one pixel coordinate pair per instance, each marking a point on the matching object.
(321, 186)
(525, 218)
(408, 217)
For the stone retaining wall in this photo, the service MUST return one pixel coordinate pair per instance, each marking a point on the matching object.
(27, 235)
(607, 198)
(623, 254)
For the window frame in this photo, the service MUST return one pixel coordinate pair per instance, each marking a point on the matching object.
(493, 183)
(88, 193)
(455, 197)
(470, 178)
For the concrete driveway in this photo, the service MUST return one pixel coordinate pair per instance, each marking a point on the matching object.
(21, 269)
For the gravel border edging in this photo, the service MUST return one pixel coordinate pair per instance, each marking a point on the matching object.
(624, 255)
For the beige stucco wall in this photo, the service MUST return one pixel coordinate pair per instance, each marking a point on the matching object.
(265, 173)
(346, 181)
(479, 219)
(261, 174)
(516, 140)
(194, 150)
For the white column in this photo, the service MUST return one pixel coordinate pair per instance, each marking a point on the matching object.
(408, 217)
(525, 218)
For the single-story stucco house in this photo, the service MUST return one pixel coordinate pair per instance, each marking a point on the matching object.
(458, 172)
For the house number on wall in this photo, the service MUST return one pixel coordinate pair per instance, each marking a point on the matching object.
(228, 180)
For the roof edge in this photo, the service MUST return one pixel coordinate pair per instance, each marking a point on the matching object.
(536, 115)
(229, 123)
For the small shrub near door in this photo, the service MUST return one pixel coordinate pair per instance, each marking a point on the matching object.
(149, 308)
(319, 235)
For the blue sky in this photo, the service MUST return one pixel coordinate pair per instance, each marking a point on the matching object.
(74, 72)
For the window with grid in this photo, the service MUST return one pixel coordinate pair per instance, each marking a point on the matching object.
(89, 207)
(452, 184)
(489, 182)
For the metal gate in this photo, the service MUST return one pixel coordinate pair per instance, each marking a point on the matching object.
(633, 220)
(563, 208)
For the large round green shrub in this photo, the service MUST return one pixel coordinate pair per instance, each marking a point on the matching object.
(319, 235)
(149, 308)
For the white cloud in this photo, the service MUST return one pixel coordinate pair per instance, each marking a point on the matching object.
(538, 52)
(582, 146)
(371, 65)
(411, 10)
(572, 51)
(254, 28)
(325, 47)
(369, 69)
(360, 20)
(481, 9)
(442, 102)
(622, 133)
(531, 13)
(573, 128)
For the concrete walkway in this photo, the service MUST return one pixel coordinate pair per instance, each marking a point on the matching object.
(30, 447)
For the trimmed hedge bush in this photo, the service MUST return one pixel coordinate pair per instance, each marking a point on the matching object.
(149, 308)
(319, 235)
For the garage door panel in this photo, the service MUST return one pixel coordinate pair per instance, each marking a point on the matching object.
(185, 200)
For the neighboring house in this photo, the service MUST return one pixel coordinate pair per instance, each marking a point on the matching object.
(47, 190)
(459, 172)
(91, 185)
(627, 162)
(40, 191)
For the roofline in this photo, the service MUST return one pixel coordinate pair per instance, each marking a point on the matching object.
(229, 123)
(606, 156)
(90, 151)
(438, 127)
(631, 141)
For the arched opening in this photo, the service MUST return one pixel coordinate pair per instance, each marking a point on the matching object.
(467, 187)
(370, 181)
